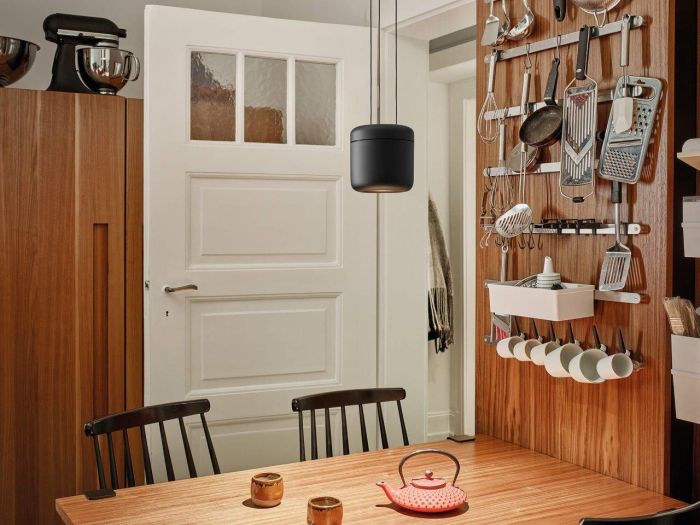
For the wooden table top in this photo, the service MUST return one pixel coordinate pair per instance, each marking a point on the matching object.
(505, 484)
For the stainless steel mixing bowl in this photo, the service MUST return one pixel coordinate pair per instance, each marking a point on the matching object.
(16, 58)
(106, 69)
(596, 6)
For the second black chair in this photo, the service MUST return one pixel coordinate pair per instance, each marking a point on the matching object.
(342, 399)
(141, 417)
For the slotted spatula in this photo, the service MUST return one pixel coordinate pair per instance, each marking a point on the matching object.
(618, 258)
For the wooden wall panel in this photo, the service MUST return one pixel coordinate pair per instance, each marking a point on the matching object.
(62, 166)
(134, 267)
(619, 428)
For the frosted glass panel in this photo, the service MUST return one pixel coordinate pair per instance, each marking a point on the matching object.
(213, 95)
(315, 103)
(265, 100)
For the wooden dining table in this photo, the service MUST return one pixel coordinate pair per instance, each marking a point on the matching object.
(505, 484)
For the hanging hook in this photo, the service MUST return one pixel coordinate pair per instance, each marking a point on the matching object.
(528, 62)
(531, 239)
(557, 52)
(605, 18)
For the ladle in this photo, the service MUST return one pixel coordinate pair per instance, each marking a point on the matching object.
(525, 26)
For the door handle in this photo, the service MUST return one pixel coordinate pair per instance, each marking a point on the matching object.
(170, 289)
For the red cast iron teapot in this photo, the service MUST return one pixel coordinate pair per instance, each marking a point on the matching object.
(426, 494)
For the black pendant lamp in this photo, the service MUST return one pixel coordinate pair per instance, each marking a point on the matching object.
(381, 155)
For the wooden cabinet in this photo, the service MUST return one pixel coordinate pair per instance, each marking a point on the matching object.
(70, 349)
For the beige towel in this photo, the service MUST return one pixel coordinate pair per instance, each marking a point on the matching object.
(440, 293)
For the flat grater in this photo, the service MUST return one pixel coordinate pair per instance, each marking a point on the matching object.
(578, 142)
(623, 154)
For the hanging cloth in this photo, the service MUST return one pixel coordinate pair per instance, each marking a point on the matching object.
(440, 292)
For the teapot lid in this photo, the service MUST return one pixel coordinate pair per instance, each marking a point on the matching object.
(428, 482)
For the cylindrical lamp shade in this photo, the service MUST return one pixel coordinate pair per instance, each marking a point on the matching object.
(381, 158)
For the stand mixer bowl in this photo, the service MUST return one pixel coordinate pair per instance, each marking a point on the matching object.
(106, 70)
(16, 58)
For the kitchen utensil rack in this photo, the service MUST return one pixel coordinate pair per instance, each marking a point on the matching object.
(610, 28)
(580, 228)
(546, 167)
(598, 295)
(604, 96)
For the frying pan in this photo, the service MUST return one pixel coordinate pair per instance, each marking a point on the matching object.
(543, 127)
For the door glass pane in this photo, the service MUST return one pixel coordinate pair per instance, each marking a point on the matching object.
(213, 95)
(315, 103)
(265, 100)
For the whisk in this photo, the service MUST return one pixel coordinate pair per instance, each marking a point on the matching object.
(501, 191)
(487, 128)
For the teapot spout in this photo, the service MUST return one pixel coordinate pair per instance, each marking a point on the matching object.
(388, 490)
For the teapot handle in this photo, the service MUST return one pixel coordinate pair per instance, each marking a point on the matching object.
(428, 451)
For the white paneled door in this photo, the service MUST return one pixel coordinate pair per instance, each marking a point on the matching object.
(249, 199)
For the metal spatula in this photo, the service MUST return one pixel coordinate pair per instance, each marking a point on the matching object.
(618, 258)
(491, 29)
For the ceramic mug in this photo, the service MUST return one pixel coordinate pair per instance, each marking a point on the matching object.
(541, 351)
(557, 362)
(522, 350)
(584, 367)
(267, 489)
(505, 347)
(617, 366)
(324, 511)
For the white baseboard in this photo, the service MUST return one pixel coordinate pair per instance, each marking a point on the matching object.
(440, 425)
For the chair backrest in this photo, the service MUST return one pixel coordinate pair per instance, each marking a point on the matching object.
(140, 417)
(689, 515)
(341, 399)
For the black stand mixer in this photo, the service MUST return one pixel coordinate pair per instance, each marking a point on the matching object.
(88, 58)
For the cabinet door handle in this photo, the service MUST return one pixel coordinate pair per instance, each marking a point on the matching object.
(170, 289)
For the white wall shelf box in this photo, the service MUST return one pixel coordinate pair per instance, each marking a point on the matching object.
(575, 301)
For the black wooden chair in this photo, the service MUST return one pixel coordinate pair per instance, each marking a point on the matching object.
(341, 399)
(689, 515)
(141, 417)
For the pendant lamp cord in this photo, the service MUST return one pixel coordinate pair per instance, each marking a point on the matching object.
(379, 61)
(371, 58)
(396, 59)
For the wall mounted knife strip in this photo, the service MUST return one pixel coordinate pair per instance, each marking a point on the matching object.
(567, 39)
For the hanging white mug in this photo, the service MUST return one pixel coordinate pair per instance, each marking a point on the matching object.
(584, 367)
(522, 350)
(505, 347)
(617, 366)
(541, 351)
(557, 362)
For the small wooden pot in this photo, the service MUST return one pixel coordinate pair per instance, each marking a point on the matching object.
(267, 489)
(324, 511)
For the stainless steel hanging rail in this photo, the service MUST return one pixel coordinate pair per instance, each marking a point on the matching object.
(570, 38)
(516, 111)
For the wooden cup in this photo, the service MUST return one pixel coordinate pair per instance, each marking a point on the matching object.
(267, 489)
(324, 511)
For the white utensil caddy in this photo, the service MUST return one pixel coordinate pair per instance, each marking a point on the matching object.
(686, 377)
(691, 226)
(575, 301)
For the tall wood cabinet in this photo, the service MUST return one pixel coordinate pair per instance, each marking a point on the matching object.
(70, 320)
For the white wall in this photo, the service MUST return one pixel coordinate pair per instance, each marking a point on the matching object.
(439, 380)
